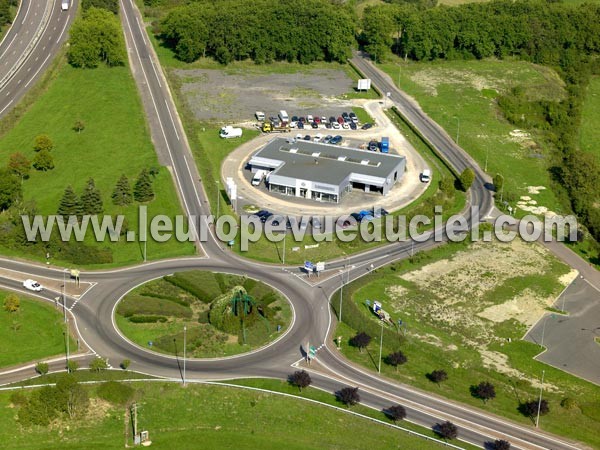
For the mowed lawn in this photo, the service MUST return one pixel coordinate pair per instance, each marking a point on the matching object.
(32, 333)
(461, 97)
(115, 141)
(211, 417)
(590, 121)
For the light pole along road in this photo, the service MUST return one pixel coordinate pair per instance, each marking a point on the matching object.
(94, 312)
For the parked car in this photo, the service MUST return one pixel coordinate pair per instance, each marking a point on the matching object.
(329, 126)
(345, 126)
(366, 126)
(345, 115)
(301, 119)
(379, 212)
(327, 139)
(307, 137)
(352, 126)
(293, 124)
(336, 126)
(299, 136)
(353, 117)
(366, 215)
(373, 146)
(317, 119)
(332, 119)
(294, 118)
(316, 222)
(336, 139)
(32, 285)
(314, 125)
(356, 216)
(323, 119)
(309, 118)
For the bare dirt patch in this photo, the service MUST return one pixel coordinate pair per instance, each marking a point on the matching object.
(216, 95)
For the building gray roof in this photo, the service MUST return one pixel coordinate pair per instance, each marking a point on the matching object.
(323, 163)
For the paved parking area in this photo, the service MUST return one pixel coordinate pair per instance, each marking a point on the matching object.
(403, 193)
(570, 339)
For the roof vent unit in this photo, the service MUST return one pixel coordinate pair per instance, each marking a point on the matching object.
(316, 154)
(293, 150)
(341, 158)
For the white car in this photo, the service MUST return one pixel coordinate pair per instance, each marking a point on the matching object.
(65, 5)
(335, 125)
(32, 285)
(345, 126)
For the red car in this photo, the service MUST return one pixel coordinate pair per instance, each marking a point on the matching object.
(317, 119)
(340, 120)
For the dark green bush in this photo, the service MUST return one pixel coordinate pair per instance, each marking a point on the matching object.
(147, 319)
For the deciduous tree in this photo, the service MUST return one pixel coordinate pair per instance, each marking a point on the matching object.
(396, 359)
(484, 390)
(396, 412)
(43, 142)
(360, 340)
(19, 165)
(348, 396)
(11, 303)
(300, 378)
(43, 161)
(437, 376)
(466, 179)
(10, 189)
(447, 430)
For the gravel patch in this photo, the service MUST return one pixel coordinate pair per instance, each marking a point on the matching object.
(215, 95)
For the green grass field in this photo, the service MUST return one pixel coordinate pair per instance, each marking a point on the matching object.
(447, 327)
(460, 96)
(216, 417)
(115, 141)
(32, 333)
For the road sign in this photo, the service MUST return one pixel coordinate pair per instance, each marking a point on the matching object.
(308, 266)
(320, 266)
(312, 352)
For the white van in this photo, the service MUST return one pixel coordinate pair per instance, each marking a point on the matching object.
(259, 175)
(260, 115)
(425, 176)
(65, 5)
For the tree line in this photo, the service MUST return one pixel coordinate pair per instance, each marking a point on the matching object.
(261, 30)
(562, 36)
(5, 15)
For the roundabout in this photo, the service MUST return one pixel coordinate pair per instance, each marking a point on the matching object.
(203, 314)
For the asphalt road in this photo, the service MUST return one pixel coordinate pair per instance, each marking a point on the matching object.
(313, 320)
(37, 34)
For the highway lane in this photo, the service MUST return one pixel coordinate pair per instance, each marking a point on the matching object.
(30, 47)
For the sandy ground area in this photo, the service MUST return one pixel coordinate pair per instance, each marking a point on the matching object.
(458, 293)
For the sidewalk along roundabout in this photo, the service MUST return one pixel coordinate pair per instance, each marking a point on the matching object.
(215, 314)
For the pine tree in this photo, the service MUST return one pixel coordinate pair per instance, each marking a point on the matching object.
(91, 200)
(121, 195)
(142, 191)
(69, 203)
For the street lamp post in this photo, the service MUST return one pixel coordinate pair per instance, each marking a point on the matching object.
(380, 348)
(341, 293)
(283, 255)
(64, 296)
(537, 420)
(218, 200)
(457, 128)
(184, 348)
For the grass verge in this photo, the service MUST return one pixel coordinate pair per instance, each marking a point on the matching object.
(34, 332)
(219, 417)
